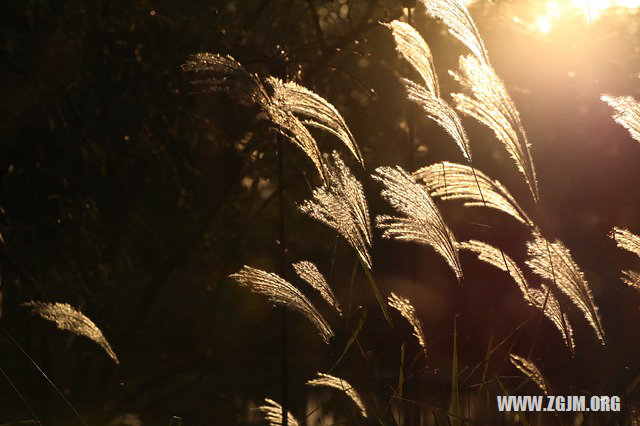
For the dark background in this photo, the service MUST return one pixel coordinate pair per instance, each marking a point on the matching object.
(131, 196)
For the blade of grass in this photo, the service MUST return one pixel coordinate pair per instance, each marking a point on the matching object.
(363, 317)
(455, 397)
(376, 291)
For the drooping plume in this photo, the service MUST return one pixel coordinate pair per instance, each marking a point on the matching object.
(301, 101)
(531, 371)
(273, 413)
(533, 296)
(282, 293)
(421, 221)
(554, 262)
(440, 112)
(282, 104)
(228, 76)
(341, 205)
(493, 107)
(342, 385)
(626, 240)
(451, 181)
(496, 257)
(415, 50)
(455, 15)
(627, 113)
(543, 298)
(406, 309)
(70, 319)
(309, 273)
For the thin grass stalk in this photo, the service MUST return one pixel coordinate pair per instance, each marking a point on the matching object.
(282, 271)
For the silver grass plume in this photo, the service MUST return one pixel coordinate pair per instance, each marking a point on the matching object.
(455, 15)
(496, 257)
(492, 106)
(289, 126)
(282, 293)
(413, 48)
(299, 100)
(311, 275)
(553, 261)
(440, 112)
(341, 205)
(70, 319)
(421, 221)
(543, 298)
(452, 181)
(626, 240)
(228, 76)
(273, 413)
(531, 371)
(627, 113)
(632, 279)
(406, 309)
(533, 296)
(341, 385)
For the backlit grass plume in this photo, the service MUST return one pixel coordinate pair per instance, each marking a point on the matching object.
(538, 298)
(70, 319)
(492, 106)
(310, 274)
(627, 113)
(282, 102)
(554, 262)
(542, 298)
(452, 181)
(456, 17)
(496, 257)
(282, 293)
(319, 112)
(413, 48)
(626, 240)
(341, 205)
(421, 221)
(440, 112)
(632, 279)
(342, 385)
(531, 371)
(406, 309)
(272, 412)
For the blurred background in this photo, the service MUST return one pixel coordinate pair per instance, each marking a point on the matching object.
(132, 196)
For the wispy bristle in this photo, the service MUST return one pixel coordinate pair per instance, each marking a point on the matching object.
(421, 221)
(451, 181)
(627, 113)
(440, 112)
(543, 298)
(632, 279)
(342, 385)
(554, 262)
(406, 309)
(415, 50)
(493, 107)
(626, 240)
(282, 293)
(299, 100)
(531, 371)
(310, 273)
(70, 319)
(456, 17)
(273, 413)
(341, 205)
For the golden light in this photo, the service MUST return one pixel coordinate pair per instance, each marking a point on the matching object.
(543, 18)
